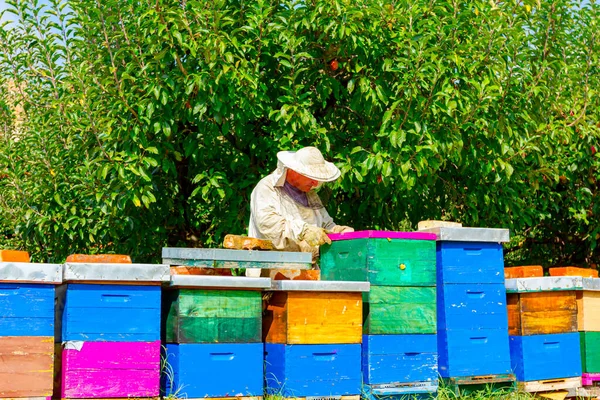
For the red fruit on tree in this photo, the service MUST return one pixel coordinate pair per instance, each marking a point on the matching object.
(593, 149)
(333, 64)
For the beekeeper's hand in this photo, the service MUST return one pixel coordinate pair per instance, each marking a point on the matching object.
(341, 229)
(314, 236)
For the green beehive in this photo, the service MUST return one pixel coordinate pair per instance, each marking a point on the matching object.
(393, 310)
(590, 351)
(381, 261)
(212, 316)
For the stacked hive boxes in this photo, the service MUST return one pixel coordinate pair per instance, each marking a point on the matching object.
(472, 318)
(109, 338)
(399, 349)
(544, 343)
(312, 332)
(212, 324)
(26, 325)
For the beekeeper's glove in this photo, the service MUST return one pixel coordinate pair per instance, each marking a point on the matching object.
(314, 235)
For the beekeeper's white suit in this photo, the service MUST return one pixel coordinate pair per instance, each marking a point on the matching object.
(279, 217)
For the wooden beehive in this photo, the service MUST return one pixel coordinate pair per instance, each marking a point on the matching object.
(588, 310)
(26, 366)
(542, 313)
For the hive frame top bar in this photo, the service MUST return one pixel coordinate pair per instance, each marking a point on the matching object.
(211, 281)
(320, 286)
(116, 272)
(551, 283)
(235, 255)
(494, 235)
(381, 235)
(31, 272)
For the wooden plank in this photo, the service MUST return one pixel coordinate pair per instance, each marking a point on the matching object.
(14, 256)
(542, 313)
(295, 274)
(588, 310)
(183, 270)
(99, 258)
(313, 318)
(431, 223)
(26, 366)
(525, 271)
(400, 310)
(232, 282)
(574, 271)
(549, 384)
(318, 286)
(213, 316)
(26, 309)
(110, 369)
(543, 284)
(248, 256)
(468, 234)
(238, 242)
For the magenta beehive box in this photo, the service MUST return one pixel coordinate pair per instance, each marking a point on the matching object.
(110, 369)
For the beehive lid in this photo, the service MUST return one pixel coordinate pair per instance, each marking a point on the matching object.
(495, 235)
(114, 272)
(226, 258)
(381, 235)
(30, 272)
(543, 284)
(212, 281)
(320, 286)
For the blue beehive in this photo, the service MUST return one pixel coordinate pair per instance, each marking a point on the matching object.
(540, 357)
(97, 312)
(312, 370)
(26, 309)
(198, 370)
(399, 359)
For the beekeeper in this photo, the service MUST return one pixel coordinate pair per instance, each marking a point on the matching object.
(285, 208)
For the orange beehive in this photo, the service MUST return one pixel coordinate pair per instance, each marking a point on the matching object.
(588, 310)
(574, 271)
(542, 313)
(313, 318)
(14, 256)
(525, 271)
(99, 258)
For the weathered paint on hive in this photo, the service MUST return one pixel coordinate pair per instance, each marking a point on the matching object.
(26, 366)
(213, 316)
(590, 379)
(313, 318)
(542, 313)
(400, 310)
(26, 309)
(588, 310)
(590, 351)
(110, 369)
(394, 262)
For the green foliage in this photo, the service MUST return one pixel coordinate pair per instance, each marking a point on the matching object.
(148, 123)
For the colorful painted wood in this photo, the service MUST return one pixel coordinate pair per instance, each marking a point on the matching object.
(213, 370)
(298, 317)
(400, 391)
(381, 261)
(525, 271)
(392, 310)
(469, 262)
(588, 379)
(549, 284)
(399, 359)
(547, 385)
(469, 234)
(476, 352)
(574, 271)
(313, 370)
(542, 313)
(26, 309)
(472, 306)
(588, 310)
(590, 351)
(110, 369)
(110, 313)
(20, 272)
(124, 273)
(212, 316)
(26, 366)
(99, 258)
(14, 256)
(540, 357)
